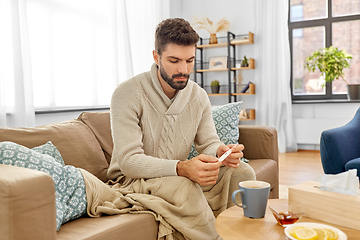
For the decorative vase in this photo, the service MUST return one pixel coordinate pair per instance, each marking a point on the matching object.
(215, 89)
(353, 91)
(213, 38)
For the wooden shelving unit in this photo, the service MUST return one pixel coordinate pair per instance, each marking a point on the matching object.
(218, 94)
(251, 66)
(232, 41)
(212, 70)
(251, 116)
(248, 40)
(218, 45)
(244, 41)
(251, 90)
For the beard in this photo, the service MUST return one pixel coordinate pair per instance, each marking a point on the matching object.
(177, 85)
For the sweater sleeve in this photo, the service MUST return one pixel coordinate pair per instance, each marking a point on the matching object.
(128, 156)
(206, 140)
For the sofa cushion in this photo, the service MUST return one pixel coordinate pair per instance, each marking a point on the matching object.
(260, 142)
(226, 120)
(74, 140)
(99, 123)
(122, 227)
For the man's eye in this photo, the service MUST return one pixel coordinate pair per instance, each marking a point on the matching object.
(190, 61)
(173, 61)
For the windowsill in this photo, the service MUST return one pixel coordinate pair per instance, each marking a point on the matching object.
(325, 101)
(70, 109)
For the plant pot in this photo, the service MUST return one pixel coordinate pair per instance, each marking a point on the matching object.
(213, 38)
(215, 89)
(353, 91)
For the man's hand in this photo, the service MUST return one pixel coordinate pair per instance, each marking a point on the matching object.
(202, 169)
(233, 159)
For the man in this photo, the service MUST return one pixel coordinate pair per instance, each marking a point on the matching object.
(155, 118)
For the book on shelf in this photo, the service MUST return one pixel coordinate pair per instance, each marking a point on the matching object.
(246, 87)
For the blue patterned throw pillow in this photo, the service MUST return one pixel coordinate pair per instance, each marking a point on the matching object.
(49, 149)
(69, 184)
(226, 120)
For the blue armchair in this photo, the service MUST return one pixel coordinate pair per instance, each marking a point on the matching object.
(340, 147)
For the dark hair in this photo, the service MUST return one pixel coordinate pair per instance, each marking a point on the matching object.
(174, 30)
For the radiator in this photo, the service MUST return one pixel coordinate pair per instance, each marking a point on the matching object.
(308, 131)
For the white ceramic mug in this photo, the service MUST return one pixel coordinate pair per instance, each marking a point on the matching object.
(254, 197)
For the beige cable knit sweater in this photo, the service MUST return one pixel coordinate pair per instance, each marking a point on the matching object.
(151, 133)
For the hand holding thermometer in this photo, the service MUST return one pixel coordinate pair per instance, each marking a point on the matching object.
(226, 154)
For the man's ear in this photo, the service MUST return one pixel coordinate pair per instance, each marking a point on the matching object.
(156, 57)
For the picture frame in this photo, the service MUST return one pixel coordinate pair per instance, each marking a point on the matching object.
(218, 62)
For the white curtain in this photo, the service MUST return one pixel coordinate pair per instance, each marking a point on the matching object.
(134, 27)
(15, 77)
(58, 54)
(272, 56)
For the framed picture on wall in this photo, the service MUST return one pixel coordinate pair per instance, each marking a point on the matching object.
(218, 62)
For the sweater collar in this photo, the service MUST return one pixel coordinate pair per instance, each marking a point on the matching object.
(181, 98)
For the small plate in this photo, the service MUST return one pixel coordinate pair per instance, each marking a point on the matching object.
(341, 234)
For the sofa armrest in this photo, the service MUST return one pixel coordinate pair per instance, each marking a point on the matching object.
(27, 204)
(260, 142)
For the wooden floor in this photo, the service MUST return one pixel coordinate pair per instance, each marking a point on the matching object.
(298, 167)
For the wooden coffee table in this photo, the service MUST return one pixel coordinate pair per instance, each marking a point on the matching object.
(232, 224)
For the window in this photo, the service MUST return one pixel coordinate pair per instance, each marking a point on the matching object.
(315, 24)
(71, 40)
(73, 53)
(296, 13)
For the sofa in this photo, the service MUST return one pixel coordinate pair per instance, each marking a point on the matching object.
(27, 197)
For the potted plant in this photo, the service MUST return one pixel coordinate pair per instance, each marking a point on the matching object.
(215, 86)
(245, 62)
(331, 62)
(221, 26)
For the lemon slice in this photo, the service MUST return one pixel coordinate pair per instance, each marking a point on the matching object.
(332, 235)
(305, 233)
(322, 234)
(292, 232)
(335, 235)
(329, 234)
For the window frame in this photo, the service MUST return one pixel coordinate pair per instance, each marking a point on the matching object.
(327, 24)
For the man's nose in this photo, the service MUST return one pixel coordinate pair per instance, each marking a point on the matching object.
(183, 68)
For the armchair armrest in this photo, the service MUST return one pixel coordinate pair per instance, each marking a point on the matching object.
(27, 204)
(260, 142)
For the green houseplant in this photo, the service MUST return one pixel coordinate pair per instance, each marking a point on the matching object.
(215, 86)
(331, 62)
(245, 62)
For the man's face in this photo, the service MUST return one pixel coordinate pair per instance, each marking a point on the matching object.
(175, 65)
